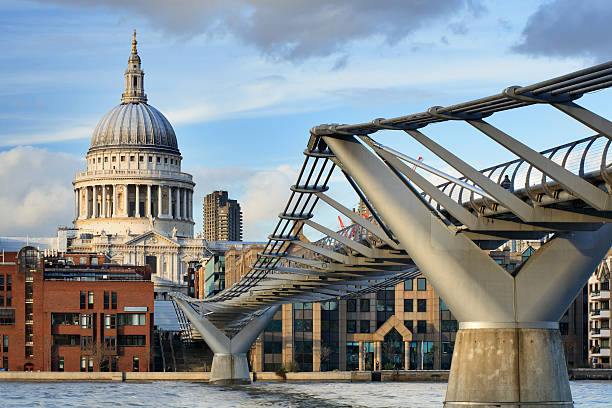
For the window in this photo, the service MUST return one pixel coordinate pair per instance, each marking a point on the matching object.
(94, 261)
(408, 284)
(141, 158)
(99, 158)
(105, 159)
(449, 326)
(122, 158)
(7, 317)
(1, 282)
(60, 363)
(113, 300)
(150, 159)
(159, 159)
(132, 340)
(421, 326)
(135, 364)
(66, 340)
(165, 160)
(134, 319)
(421, 284)
(351, 326)
(65, 319)
(133, 158)
(9, 300)
(9, 286)
(408, 324)
(83, 260)
(408, 305)
(110, 321)
(443, 305)
(90, 300)
(86, 321)
(86, 342)
(421, 305)
(83, 363)
(364, 305)
(171, 161)
(351, 305)
(5, 344)
(113, 159)
(1, 300)
(110, 342)
(83, 299)
(5, 362)
(106, 299)
(364, 326)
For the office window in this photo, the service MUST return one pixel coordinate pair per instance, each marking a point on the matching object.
(87, 342)
(134, 319)
(9, 300)
(7, 317)
(106, 299)
(351, 305)
(364, 326)
(83, 363)
(135, 364)
(421, 305)
(110, 321)
(408, 324)
(1, 300)
(83, 299)
(90, 300)
(449, 326)
(86, 321)
(5, 341)
(165, 160)
(364, 305)
(150, 159)
(408, 284)
(421, 284)
(351, 326)
(132, 340)
(65, 319)
(9, 286)
(110, 342)
(408, 305)
(5, 362)
(66, 340)
(159, 159)
(2, 282)
(83, 260)
(421, 326)
(447, 347)
(113, 300)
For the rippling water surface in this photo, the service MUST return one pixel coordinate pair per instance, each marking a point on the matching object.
(591, 394)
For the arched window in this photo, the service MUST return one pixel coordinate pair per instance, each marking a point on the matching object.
(135, 82)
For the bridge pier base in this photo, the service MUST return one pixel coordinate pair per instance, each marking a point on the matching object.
(508, 367)
(230, 369)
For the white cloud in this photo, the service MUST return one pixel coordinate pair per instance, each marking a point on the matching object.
(71, 133)
(37, 194)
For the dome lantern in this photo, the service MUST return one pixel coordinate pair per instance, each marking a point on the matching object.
(134, 78)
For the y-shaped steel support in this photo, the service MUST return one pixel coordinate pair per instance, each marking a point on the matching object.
(508, 350)
(230, 365)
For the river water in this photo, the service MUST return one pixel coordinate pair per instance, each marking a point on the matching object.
(591, 394)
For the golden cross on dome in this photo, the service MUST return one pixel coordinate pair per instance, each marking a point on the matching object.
(134, 42)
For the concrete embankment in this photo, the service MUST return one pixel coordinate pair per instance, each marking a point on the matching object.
(330, 376)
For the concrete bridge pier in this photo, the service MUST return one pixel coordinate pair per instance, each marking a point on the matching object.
(508, 351)
(230, 365)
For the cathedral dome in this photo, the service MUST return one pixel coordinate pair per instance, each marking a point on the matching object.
(134, 125)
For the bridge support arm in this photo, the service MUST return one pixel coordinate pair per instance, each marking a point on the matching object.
(230, 365)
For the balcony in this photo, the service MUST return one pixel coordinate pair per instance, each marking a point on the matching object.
(29, 321)
(136, 173)
(596, 333)
(29, 344)
(600, 314)
(600, 351)
(29, 278)
(600, 295)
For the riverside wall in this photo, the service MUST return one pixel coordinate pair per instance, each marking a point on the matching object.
(329, 376)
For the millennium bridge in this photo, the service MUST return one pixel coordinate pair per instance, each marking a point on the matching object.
(508, 350)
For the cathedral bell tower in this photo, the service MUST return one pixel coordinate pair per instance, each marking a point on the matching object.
(134, 78)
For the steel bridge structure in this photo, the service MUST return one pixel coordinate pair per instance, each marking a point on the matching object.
(508, 350)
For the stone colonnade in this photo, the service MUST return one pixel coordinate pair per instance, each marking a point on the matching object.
(133, 200)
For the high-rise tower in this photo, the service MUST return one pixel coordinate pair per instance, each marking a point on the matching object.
(222, 218)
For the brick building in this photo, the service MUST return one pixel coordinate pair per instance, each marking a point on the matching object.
(74, 313)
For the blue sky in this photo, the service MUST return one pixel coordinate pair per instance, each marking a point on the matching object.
(243, 81)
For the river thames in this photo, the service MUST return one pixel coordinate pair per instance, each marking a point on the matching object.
(591, 394)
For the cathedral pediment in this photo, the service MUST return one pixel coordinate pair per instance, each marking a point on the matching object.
(152, 238)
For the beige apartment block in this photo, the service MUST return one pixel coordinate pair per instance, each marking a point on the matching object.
(599, 315)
